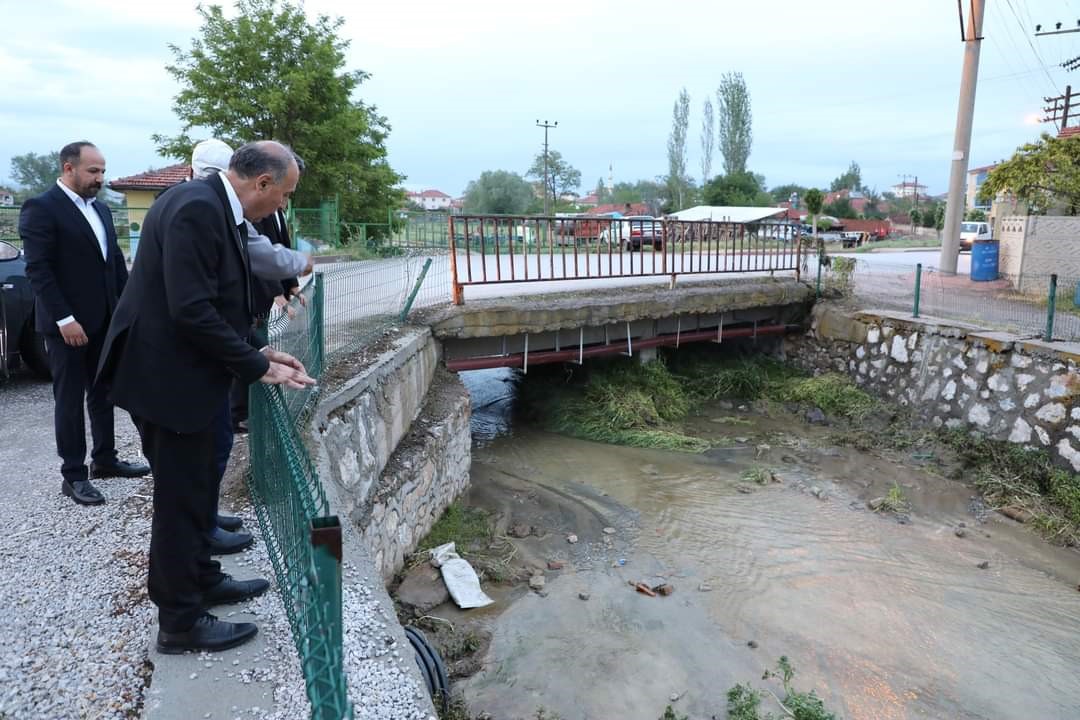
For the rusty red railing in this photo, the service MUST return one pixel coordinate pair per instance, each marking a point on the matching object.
(492, 249)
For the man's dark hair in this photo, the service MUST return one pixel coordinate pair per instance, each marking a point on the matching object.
(256, 158)
(71, 152)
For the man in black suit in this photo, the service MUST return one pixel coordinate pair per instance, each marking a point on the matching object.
(178, 338)
(77, 272)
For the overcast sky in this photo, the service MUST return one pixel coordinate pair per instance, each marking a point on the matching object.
(463, 82)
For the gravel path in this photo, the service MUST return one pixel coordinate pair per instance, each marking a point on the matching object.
(77, 623)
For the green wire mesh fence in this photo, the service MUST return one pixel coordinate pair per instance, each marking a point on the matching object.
(1029, 305)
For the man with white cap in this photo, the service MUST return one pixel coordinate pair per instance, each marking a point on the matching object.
(269, 262)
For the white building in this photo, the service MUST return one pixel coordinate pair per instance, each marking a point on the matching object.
(908, 190)
(431, 199)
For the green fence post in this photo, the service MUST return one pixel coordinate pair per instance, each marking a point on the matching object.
(820, 255)
(318, 325)
(416, 289)
(918, 290)
(1051, 303)
(326, 554)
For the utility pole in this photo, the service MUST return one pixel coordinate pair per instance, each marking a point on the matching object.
(954, 208)
(547, 126)
(1058, 113)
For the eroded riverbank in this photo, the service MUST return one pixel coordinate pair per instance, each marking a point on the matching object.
(885, 616)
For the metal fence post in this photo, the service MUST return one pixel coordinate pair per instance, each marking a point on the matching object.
(318, 315)
(918, 290)
(1051, 303)
(416, 289)
(326, 555)
(820, 255)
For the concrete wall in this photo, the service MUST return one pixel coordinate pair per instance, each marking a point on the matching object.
(954, 375)
(396, 443)
(1033, 247)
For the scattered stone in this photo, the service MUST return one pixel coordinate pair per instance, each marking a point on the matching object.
(742, 439)
(985, 564)
(818, 493)
(664, 589)
(536, 582)
(962, 524)
(960, 532)
(520, 530)
(1020, 515)
(609, 531)
(704, 587)
(876, 503)
(744, 488)
(583, 596)
(789, 460)
(554, 565)
(571, 538)
(423, 589)
(674, 697)
(752, 644)
(726, 405)
(816, 416)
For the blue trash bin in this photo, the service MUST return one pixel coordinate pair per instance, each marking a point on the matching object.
(984, 261)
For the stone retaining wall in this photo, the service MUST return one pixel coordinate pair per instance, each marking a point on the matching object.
(954, 375)
(396, 442)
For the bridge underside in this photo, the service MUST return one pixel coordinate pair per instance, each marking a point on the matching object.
(572, 327)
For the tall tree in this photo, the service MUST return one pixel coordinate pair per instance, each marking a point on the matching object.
(498, 192)
(849, 180)
(34, 173)
(1044, 174)
(270, 73)
(841, 208)
(743, 189)
(735, 121)
(676, 149)
(562, 176)
(708, 137)
(814, 200)
(782, 193)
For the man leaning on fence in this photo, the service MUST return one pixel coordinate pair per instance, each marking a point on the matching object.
(178, 337)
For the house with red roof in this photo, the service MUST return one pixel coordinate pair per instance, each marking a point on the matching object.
(431, 199)
(141, 190)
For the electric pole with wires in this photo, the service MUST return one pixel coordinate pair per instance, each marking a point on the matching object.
(954, 207)
(547, 126)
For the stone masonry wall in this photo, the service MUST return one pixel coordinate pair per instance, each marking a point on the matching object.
(954, 375)
(395, 440)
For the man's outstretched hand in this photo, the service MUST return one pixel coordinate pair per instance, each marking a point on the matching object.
(285, 370)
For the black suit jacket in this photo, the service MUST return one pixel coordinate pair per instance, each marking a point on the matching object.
(64, 263)
(266, 290)
(177, 338)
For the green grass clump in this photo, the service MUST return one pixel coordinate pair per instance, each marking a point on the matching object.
(758, 475)
(835, 394)
(466, 526)
(669, 714)
(744, 702)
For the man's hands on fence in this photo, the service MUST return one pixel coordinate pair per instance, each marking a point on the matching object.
(285, 370)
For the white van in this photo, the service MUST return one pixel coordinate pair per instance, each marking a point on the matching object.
(974, 232)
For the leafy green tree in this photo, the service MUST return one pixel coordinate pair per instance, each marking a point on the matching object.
(33, 173)
(653, 194)
(742, 189)
(562, 176)
(782, 193)
(975, 215)
(269, 73)
(735, 121)
(841, 208)
(676, 150)
(916, 218)
(708, 128)
(498, 192)
(849, 180)
(939, 218)
(1044, 174)
(815, 199)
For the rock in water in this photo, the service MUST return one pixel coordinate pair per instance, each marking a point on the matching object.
(423, 589)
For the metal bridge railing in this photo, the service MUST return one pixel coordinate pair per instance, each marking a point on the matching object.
(491, 249)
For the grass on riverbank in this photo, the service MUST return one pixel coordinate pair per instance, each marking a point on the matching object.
(621, 402)
(908, 241)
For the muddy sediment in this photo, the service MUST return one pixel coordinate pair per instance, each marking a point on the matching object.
(945, 610)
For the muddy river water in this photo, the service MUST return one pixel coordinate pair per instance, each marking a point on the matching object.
(884, 617)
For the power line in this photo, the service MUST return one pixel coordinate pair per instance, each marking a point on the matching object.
(1038, 57)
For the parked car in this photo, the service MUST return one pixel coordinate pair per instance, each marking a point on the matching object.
(633, 231)
(854, 238)
(19, 342)
(971, 232)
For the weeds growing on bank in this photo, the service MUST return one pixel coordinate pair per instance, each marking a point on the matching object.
(466, 526)
(744, 702)
(622, 402)
(1010, 476)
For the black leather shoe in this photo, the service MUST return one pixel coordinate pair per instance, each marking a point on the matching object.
(230, 522)
(207, 634)
(231, 590)
(119, 469)
(82, 492)
(223, 542)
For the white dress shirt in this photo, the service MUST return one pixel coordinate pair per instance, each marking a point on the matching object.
(86, 207)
